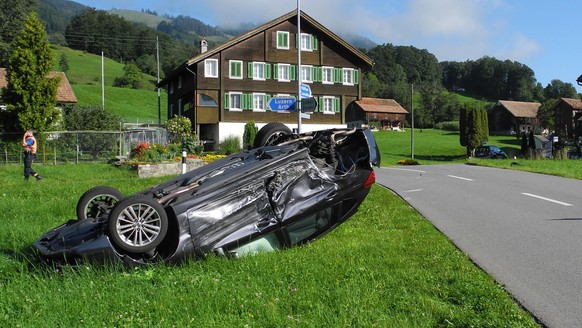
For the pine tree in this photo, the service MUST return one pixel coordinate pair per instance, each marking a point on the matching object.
(31, 94)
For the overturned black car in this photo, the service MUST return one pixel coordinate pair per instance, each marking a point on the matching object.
(289, 190)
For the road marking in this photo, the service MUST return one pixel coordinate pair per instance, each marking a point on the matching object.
(411, 170)
(461, 178)
(413, 190)
(546, 199)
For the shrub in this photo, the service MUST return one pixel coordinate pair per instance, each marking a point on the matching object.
(407, 162)
(249, 134)
(230, 145)
(447, 126)
(180, 127)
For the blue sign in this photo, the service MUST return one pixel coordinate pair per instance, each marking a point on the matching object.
(305, 91)
(282, 103)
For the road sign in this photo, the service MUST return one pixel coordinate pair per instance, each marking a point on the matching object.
(304, 115)
(308, 104)
(305, 91)
(282, 103)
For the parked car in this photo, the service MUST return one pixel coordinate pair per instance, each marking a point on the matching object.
(489, 151)
(290, 190)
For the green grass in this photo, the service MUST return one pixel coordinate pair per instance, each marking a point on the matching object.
(385, 267)
(133, 106)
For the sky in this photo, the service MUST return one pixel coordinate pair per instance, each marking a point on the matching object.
(544, 35)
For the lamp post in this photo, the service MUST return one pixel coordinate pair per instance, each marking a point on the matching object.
(299, 75)
(412, 121)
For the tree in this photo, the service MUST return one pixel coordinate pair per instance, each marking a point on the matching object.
(249, 134)
(64, 63)
(131, 77)
(546, 113)
(31, 94)
(92, 118)
(13, 13)
(473, 126)
(557, 89)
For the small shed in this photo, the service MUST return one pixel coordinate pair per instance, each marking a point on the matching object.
(385, 114)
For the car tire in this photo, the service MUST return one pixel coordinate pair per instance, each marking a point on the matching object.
(269, 133)
(137, 224)
(97, 201)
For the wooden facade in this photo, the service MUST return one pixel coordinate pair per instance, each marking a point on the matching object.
(568, 118)
(513, 117)
(384, 114)
(225, 87)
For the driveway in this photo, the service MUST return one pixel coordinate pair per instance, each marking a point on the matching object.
(523, 228)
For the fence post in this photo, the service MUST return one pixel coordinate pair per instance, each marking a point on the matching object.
(184, 155)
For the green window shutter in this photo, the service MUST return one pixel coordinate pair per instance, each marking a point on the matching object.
(247, 101)
(318, 74)
(297, 38)
(226, 100)
(275, 72)
(336, 105)
(266, 99)
(314, 42)
(292, 72)
(337, 72)
(250, 70)
(356, 76)
(319, 105)
(267, 71)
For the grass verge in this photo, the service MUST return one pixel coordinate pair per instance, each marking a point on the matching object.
(385, 267)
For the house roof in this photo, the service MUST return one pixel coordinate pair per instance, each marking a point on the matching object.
(304, 18)
(379, 105)
(520, 108)
(576, 104)
(65, 93)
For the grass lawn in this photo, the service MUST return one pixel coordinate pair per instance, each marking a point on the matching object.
(385, 267)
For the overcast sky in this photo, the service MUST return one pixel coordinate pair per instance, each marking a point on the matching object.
(544, 35)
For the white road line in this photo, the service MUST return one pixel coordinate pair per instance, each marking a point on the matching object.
(398, 169)
(546, 199)
(413, 190)
(456, 177)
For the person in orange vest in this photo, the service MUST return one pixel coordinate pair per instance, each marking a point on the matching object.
(30, 145)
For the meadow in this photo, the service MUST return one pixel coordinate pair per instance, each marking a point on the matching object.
(386, 266)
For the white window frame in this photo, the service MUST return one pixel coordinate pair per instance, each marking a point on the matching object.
(283, 46)
(306, 43)
(283, 68)
(231, 97)
(348, 76)
(259, 104)
(230, 72)
(259, 71)
(211, 68)
(324, 78)
(308, 78)
(328, 105)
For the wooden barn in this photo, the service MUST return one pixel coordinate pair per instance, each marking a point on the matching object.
(568, 118)
(513, 117)
(385, 114)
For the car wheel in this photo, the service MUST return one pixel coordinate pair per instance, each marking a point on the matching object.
(137, 224)
(269, 133)
(97, 201)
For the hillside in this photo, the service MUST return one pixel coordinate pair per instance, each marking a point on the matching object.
(147, 19)
(133, 106)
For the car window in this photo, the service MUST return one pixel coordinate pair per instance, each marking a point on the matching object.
(266, 243)
(310, 226)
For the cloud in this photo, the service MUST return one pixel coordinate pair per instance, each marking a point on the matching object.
(521, 48)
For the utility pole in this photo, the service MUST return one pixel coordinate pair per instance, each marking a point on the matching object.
(158, 61)
(298, 102)
(412, 121)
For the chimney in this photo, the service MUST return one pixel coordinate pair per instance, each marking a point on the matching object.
(203, 46)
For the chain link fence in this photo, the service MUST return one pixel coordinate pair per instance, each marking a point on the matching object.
(82, 146)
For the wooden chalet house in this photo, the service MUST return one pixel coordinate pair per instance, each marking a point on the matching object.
(513, 117)
(384, 114)
(221, 89)
(568, 118)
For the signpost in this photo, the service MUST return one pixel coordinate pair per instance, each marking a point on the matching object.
(305, 91)
(308, 104)
(282, 103)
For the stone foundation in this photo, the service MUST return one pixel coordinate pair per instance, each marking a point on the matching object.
(163, 169)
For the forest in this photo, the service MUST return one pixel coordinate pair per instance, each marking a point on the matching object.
(398, 72)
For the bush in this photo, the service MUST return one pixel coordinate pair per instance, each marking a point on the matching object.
(249, 134)
(180, 127)
(230, 145)
(447, 126)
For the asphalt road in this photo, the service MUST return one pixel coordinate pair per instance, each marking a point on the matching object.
(522, 228)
